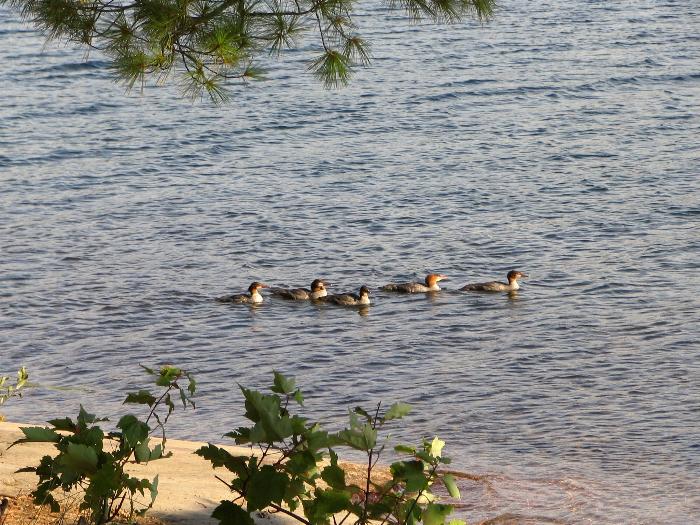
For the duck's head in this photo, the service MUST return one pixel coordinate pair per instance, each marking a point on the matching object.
(514, 275)
(432, 278)
(255, 286)
(319, 285)
(364, 291)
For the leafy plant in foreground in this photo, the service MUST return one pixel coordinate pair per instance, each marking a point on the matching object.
(293, 468)
(7, 391)
(94, 462)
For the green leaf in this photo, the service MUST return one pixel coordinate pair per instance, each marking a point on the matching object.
(435, 514)
(405, 449)
(153, 489)
(282, 384)
(168, 374)
(325, 504)
(46, 498)
(451, 485)
(333, 474)
(80, 458)
(301, 463)
(39, 434)
(299, 398)
(64, 423)
(85, 418)
(397, 411)
(457, 522)
(361, 411)
(411, 473)
(363, 438)
(271, 426)
(134, 431)
(191, 385)
(220, 457)
(142, 397)
(104, 481)
(264, 487)
(229, 513)
(144, 454)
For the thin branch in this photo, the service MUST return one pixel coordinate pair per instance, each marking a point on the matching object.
(290, 513)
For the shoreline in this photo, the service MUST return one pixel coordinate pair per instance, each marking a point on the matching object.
(188, 492)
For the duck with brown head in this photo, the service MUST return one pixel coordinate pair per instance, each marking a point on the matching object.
(317, 290)
(495, 286)
(252, 297)
(430, 285)
(349, 299)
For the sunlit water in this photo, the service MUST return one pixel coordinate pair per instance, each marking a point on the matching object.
(560, 139)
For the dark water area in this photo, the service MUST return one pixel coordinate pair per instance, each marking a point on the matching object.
(560, 139)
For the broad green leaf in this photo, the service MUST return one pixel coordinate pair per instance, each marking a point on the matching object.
(46, 498)
(142, 397)
(64, 423)
(299, 398)
(39, 434)
(325, 504)
(363, 438)
(241, 435)
(362, 412)
(283, 384)
(435, 514)
(270, 425)
(92, 437)
(105, 479)
(301, 463)
(334, 476)
(191, 385)
(85, 418)
(229, 513)
(81, 458)
(168, 374)
(405, 449)
(451, 486)
(153, 489)
(144, 454)
(264, 487)
(457, 522)
(397, 411)
(411, 473)
(134, 431)
(220, 457)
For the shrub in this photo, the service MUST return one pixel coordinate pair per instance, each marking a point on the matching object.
(94, 462)
(293, 467)
(7, 391)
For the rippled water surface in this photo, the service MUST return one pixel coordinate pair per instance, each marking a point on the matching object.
(560, 139)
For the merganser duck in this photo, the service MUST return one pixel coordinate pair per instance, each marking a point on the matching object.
(253, 296)
(495, 286)
(430, 285)
(350, 299)
(318, 290)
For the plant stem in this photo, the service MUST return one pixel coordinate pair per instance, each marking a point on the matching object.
(290, 513)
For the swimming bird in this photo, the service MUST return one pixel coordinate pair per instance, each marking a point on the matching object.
(318, 290)
(253, 296)
(495, 286)
(430, 285)
(350, 299)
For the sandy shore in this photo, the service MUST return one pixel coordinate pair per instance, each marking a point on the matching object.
(187, 489)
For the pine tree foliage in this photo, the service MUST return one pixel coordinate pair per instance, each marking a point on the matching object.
(208, 43)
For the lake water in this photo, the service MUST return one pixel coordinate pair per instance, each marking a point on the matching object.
(560, 139)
